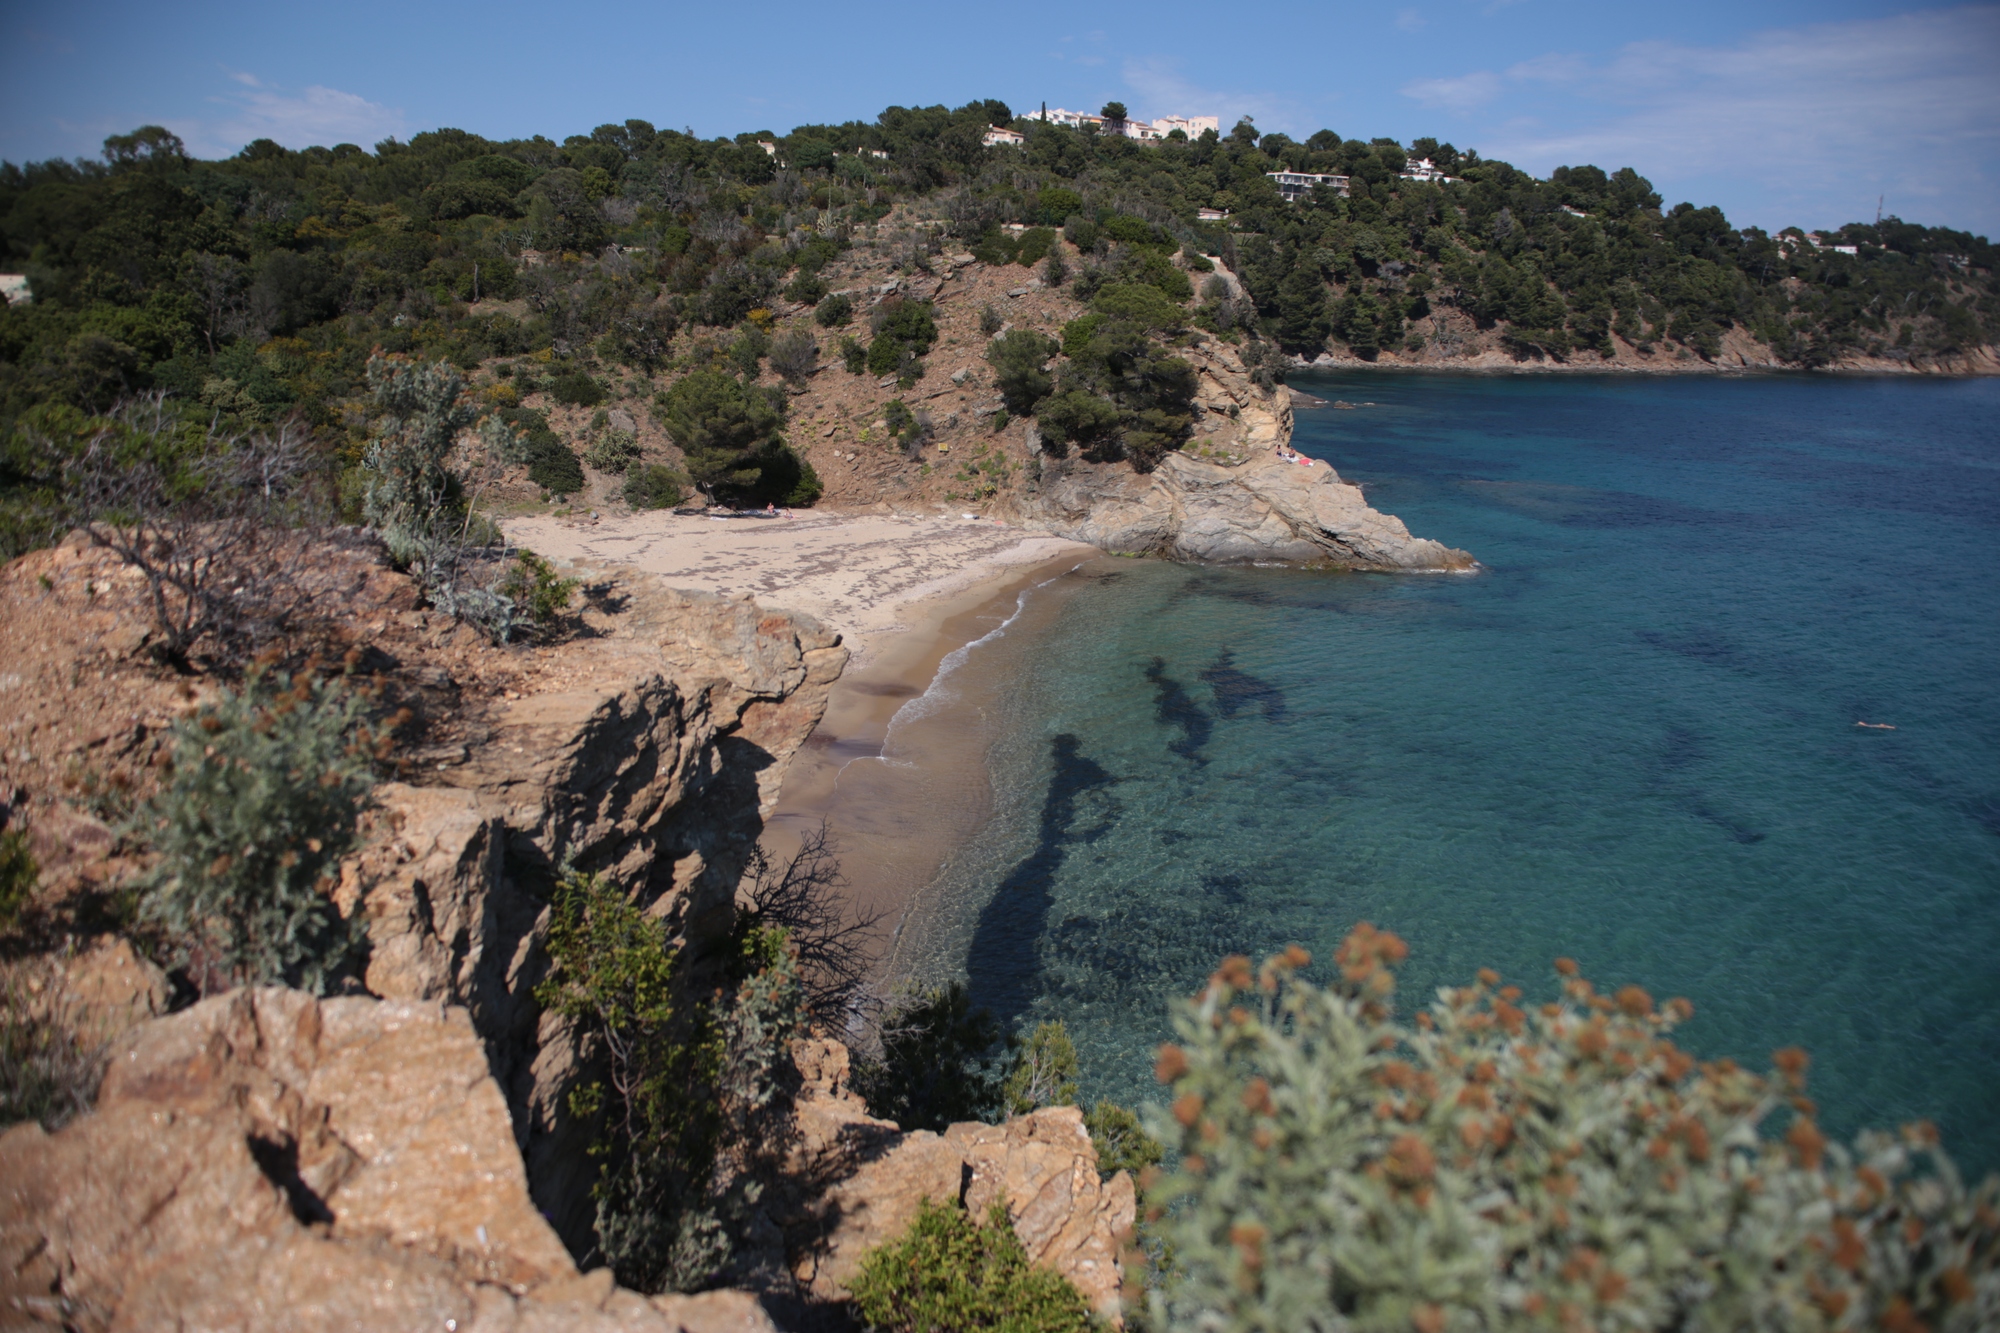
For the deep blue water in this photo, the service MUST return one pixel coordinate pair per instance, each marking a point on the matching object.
(1630, 739)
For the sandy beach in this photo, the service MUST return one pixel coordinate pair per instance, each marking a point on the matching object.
(871, 576)
(905, 593)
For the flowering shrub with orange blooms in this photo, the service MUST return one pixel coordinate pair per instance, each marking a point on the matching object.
(1494, 1165)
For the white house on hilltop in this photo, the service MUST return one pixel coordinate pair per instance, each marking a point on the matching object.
(1145, 131)
(999, 134)
(1423, 169)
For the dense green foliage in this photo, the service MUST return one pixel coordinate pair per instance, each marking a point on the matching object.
(947, 1272)
(18, 875)
(1496, 1166)
(687, 1100)
(654, 486)
(729, 432)
(1045, 1071)
(936, 1062)
(258, 286)
(249, 827)
(537, 591)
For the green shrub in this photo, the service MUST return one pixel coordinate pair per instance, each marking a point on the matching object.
(1036, 242)
(613, 451)
(806, 288)
(554, 466)
(728, 432)
(1140, 302)
(1044, 1072)
(1077, 417)
(537, 591)
(575, 389)
(49, 1071)
(1496, 1166)
(853, 355)
(688, 1080)
(834, 311)
(257, 808)
(654, 486)
(948, 1274)
(752, 345)
(1018, 358)
(904, 331)
(934, 1065)
(18, 874)
(1122, 1143)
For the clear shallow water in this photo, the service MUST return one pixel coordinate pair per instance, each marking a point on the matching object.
(1630, 739)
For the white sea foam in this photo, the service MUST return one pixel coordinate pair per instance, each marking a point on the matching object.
(939, 694)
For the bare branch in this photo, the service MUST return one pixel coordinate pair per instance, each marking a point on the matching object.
(835, 950)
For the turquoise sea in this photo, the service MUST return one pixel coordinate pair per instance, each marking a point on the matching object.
(1630, 738)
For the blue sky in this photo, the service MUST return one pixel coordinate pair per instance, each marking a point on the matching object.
(1781, 112)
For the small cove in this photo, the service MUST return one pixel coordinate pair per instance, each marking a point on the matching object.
(1631, 738)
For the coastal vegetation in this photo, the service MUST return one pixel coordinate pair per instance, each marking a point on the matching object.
(223, 358)
(620, 263)
(1492, 1163)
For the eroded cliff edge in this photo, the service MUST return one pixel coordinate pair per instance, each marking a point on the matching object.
(1234, 493)
(402, 1157)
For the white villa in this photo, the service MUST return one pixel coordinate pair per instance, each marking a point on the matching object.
(1423, 169)
(998, 134)
(1297, 185)
(1144, 131)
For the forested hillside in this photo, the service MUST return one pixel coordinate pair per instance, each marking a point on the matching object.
(256, 287)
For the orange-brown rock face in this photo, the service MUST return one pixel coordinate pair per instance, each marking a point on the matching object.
(268, 1160)
(1041, 1167)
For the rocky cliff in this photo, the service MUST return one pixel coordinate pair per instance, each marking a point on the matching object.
(403, 1158)
(1226, 495)
(1234, 493)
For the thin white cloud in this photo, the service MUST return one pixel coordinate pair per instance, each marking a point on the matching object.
(1460, 94)
(1410, 20)
(302, 119)
(1162, 91)
(1827, 116)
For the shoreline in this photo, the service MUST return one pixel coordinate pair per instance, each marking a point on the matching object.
(897, 768)
(1493, 365)
(906, 593)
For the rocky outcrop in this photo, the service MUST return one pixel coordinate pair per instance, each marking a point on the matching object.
(1041, 1167)
(1231, 494)
(1266, 508)
(266, 1160)
(651, 755)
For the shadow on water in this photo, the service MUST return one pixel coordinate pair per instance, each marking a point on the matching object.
(1239, 691)
(1004, 966)
(1175, 708)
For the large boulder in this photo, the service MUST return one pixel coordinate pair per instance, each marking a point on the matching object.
(1042, 1167)
(1266, 508)
(1231, 494)
(266, 1160)
(649, 753)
